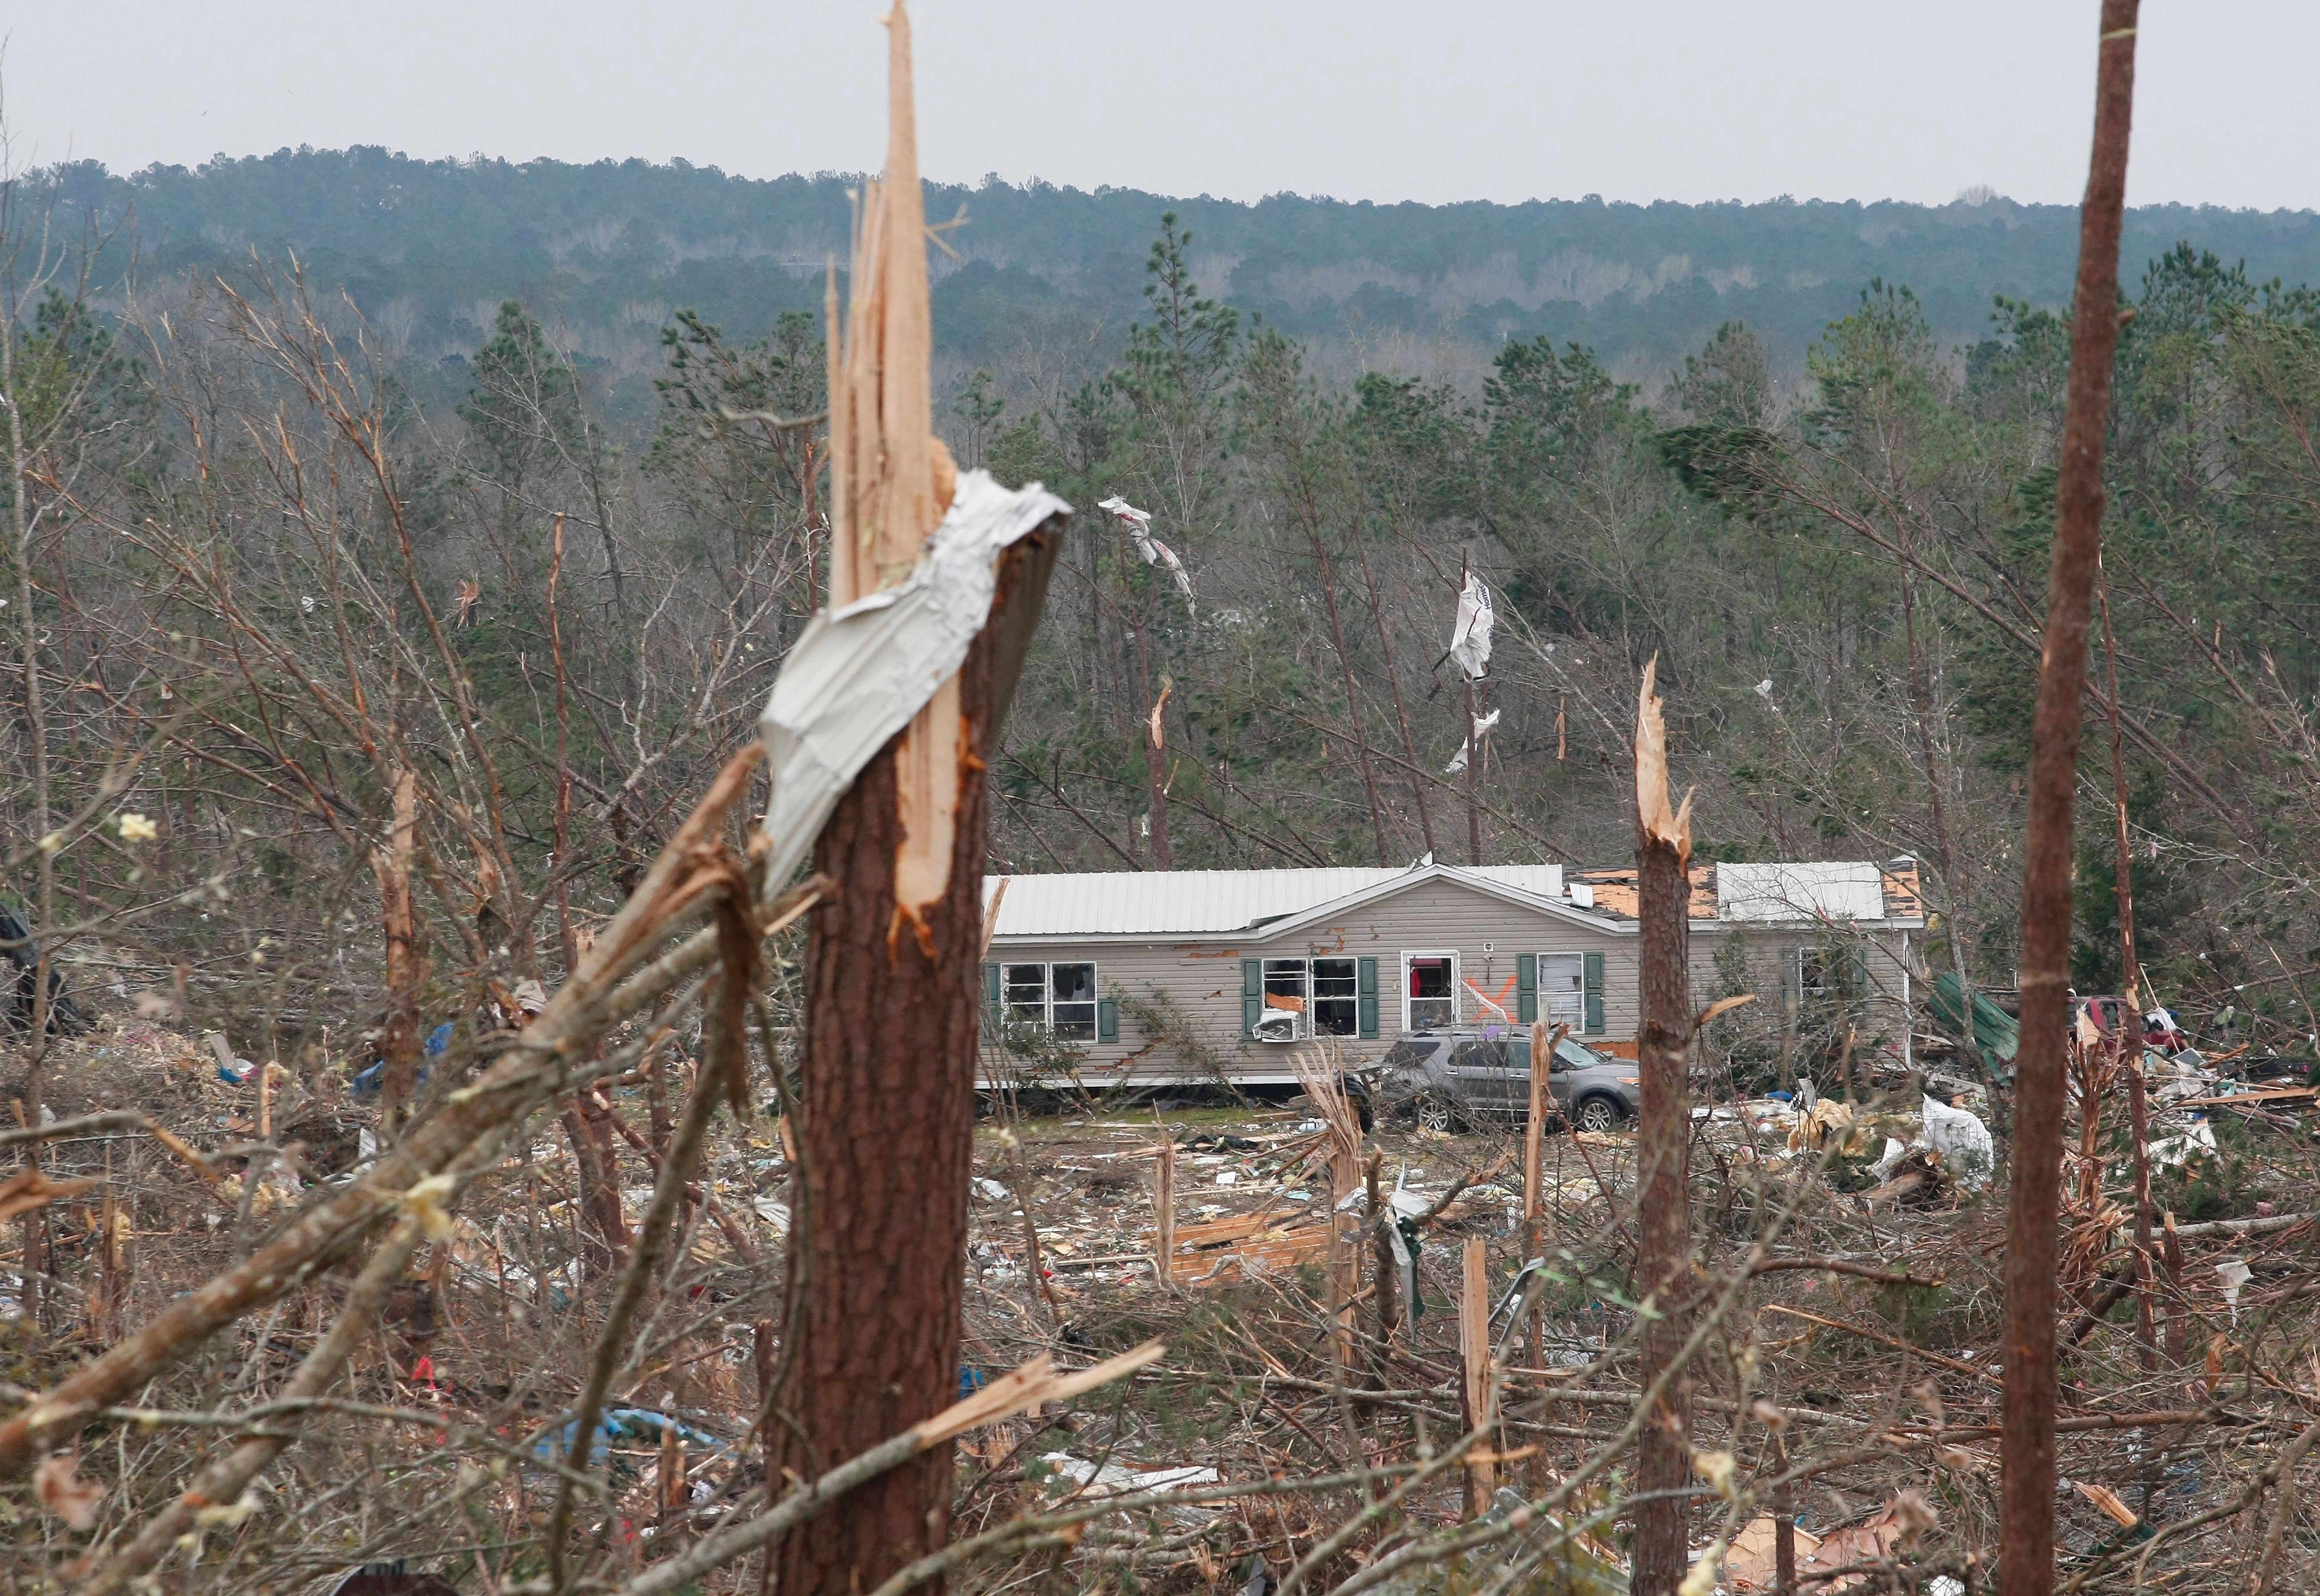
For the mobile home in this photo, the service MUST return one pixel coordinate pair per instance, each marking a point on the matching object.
(1156, 977)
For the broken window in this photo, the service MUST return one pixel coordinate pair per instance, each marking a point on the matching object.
(1562, 990)
(1430, 983)
(1326, 991)
(1814, 978)
(1027, 993)
(1337, 991)
(1284, 984)
(1071, 1001)
(1057, 998)
(1825, 973)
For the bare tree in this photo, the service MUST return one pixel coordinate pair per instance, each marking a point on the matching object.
(2027, 1457)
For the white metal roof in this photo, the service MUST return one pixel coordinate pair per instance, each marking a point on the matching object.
(1205, 902)
(1799, 891)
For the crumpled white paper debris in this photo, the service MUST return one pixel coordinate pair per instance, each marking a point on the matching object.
(1961, 1140)
(1120, 1476)
(1482, 725)
(2172, 1152)
(1470, 635)
(1138, 524)
(2234, 1275)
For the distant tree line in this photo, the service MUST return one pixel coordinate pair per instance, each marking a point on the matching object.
(610, 250)
(270, 570)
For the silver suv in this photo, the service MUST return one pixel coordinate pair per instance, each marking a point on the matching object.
(1444, 1077)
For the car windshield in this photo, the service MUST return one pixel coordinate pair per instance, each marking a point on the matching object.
(1571, 1055)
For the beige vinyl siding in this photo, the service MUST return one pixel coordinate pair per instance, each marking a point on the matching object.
(1768, 946)
(1199, 982)
(1444, 917)
(1201, 979)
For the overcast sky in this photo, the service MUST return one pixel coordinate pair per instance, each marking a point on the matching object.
(1385, 100)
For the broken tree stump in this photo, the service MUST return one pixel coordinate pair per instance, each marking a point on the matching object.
(1480, 1389)
(1663, 1148)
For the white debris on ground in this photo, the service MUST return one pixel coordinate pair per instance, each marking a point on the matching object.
(1961, 1140)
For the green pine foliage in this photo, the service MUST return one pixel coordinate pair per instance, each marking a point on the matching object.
(1818, 491)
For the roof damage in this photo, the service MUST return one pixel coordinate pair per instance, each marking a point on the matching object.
(1262, 902)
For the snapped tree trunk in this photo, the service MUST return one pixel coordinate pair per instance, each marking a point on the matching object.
(2129, 1042)
(1478, 1397)
(886, 1138)
(1311, 516)
(1958, 933)
(2027, 1443)
(884, 1152)
(1663, 1146)
(588, 1121)
(1474, 774)
(1394, 679)
(399, 1046)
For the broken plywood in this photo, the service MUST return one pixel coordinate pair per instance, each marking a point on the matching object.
(1244, 1247)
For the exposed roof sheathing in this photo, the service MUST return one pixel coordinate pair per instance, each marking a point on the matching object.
(1903, 898)
(1615, 890)
(1784, 893)
(1779, 893)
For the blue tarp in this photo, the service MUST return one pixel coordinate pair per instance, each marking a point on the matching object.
(368, 1083)
(631, 1426)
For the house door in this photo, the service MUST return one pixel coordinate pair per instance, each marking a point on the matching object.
(1430, 983)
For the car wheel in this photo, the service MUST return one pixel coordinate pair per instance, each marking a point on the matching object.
(1434, 1114)
(1598, 1114)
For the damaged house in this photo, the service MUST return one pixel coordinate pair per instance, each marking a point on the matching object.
(1158, 977)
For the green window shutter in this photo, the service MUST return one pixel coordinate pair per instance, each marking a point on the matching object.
(991, 993)
(1252, 994)
(1107, 1020)
(1591, 969)
(1856, 970)
(1366, 996)
(1527, 988)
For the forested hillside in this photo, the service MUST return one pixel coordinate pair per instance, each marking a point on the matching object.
(273, 540)
(608, 251)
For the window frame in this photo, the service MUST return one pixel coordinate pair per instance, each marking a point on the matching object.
(1409, 954)
(1093, 1002)
(1815, 957)
(1300, 978)
(1008, 1007)
(1297, 971)
(1578, 1016)
(1350, 999)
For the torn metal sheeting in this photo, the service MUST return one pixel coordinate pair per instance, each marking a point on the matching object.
(860, 674)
